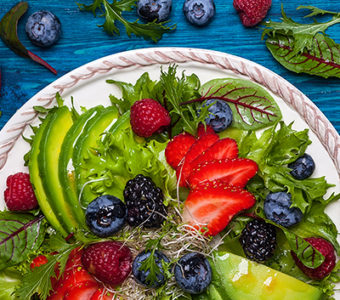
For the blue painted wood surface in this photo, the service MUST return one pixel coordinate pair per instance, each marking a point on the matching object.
(82, 41)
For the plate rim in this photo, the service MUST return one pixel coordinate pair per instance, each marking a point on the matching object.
(255, 72)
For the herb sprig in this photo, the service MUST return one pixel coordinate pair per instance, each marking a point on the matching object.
(113, 13)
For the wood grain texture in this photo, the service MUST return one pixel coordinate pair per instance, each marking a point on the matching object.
(82, 41)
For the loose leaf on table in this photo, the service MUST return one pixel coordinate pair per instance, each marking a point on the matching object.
(20, 235)
(113, 13)
(322, 60)
(8, 33)
(304, 48)
(253, 107)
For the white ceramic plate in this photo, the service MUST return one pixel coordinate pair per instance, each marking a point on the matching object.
(87, 85)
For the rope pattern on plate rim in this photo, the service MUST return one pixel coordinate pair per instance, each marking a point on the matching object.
(292, 96)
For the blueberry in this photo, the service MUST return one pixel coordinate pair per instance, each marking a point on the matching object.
(277, 207)
(151, 10)
(193, 273)
(43, 28)
(105, 215)
(303, 167)
(220, 116)
(199, 12)
(141, 275)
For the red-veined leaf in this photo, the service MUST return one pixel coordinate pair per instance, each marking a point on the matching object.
(253, 107)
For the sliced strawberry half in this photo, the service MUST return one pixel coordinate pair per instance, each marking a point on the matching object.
(202, 130)
(177, 148)
(223, 149)
(74, 275)
(210, 207)
(201, 145)
(235, 172)
(82, 291)
(103, 294)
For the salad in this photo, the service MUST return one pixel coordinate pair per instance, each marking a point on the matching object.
(177, 190)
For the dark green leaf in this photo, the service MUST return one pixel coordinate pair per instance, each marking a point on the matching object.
(253, 107)
(20, 235)
(8, 33)
(316, 11)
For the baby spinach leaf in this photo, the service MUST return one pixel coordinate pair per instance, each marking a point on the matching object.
(20, 235)
(8, 33)
(253, 107)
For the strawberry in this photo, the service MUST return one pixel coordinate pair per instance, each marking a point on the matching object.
(252, 12)
(201, 144)
(82, 291)
(38, 261)
(177, 148)
(327, 250)
(202, 130)
(222, 149)
(103, 294)
(74, 274)
(148, 117)
(235, 172)
(213, 204)
(19, 195)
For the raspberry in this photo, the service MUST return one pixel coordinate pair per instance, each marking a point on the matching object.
(252, 12)
(109, 261)
(148, 117)
(327, 250)
(19, 194)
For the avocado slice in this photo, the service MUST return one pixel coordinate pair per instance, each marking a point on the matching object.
(66, 167)
(36, 178)
(85, 145)
(238, 278)
(50, 146)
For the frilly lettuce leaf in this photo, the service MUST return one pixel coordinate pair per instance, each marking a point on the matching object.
(9, 279)
(121, 155)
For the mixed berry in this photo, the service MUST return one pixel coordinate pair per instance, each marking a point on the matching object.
(106, 215)
(43, 28)
(154, 10)
(199, 12)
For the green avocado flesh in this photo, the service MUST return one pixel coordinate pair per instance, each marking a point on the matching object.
(85, 145)
(50, 146)
(66, 168)
(237, 278)
(36, 179)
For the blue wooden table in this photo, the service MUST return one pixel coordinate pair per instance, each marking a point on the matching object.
(82, 41)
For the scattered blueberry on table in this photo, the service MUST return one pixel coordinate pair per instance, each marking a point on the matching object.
(199, 12)
(151, 10)
(43, 28)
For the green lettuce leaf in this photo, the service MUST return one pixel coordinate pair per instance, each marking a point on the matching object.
(120, 156)
(9, 279)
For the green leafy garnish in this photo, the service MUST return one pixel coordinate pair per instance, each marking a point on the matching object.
(113, 13)
(305, 48)
(38, 280)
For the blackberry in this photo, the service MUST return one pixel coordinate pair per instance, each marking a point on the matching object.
(258, 240)
(144, 202)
